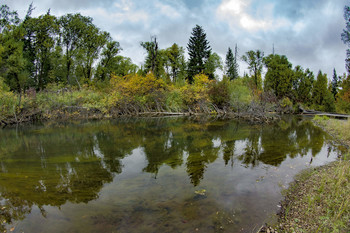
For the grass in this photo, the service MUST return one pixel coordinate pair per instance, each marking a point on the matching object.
(319, 199)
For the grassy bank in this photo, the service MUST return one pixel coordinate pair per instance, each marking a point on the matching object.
(318, 200)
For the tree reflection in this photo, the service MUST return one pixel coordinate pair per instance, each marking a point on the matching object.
(52, 165)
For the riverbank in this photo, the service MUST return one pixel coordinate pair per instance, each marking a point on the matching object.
(318, 199)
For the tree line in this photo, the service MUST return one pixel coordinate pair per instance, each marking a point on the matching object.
(72, 52)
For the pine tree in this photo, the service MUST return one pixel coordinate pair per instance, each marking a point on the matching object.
(335, 82)
(199, 51)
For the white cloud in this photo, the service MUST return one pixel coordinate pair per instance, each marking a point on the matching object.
(124, 5)
(168, 10)
(236, 12)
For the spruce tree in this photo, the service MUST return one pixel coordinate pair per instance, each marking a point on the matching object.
(229, 62)
(231, 65)
(335, 84)
(199, 51)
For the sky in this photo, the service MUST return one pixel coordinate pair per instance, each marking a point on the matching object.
(306, 31)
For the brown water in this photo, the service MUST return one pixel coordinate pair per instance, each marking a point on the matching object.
(152, 175)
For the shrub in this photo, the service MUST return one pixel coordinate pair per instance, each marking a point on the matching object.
(138, 91)
(174, 100)
(240, 95)
(219, 93)
(196, 96)
(8, 104)
(286, 105)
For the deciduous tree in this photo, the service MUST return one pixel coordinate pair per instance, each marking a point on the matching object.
(279, 76)
(254, 59)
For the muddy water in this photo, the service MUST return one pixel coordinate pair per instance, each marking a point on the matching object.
(152, 175)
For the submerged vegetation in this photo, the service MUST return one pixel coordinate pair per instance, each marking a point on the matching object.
(318, 201)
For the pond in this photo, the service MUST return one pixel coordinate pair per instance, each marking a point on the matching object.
(152, 174)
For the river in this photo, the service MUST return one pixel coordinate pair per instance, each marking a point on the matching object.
(173, 174)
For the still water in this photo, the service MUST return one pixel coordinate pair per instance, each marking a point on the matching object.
(152, 174)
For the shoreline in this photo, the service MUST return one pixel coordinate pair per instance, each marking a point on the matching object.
(314, 201)
(73, 112)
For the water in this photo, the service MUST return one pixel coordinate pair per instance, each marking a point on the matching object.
(152, 175)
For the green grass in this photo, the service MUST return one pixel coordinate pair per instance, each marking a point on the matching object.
(319, 199)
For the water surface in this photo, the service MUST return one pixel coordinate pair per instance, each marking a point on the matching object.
(152, 174)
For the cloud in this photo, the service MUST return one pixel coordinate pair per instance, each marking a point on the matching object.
(236, 12)
(306, 31)
(167, 10)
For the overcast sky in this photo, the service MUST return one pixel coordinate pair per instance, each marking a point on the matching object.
(306, 31)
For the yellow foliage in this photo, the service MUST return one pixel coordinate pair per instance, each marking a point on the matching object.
(134, 84)
(134, 88)
(198, 91)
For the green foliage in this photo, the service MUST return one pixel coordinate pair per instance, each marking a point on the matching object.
(343, 96)
(219, 93)
(214, 62)
(109, 53)
(174, 101)
(13, 63)
(240, 95)
(175, 64)
(286, 105)
(302, 85)
(199, 52)
(255, 61)
(335, 83)
(322, 98)
(8, 101)
(231, 65)
(39, 42)
(155, 57)
(279, 76)
(7, 18)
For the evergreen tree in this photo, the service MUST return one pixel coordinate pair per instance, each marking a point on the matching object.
(231, 64)
(199, 52)
(303, 89)
(335, 83)
(322, 97)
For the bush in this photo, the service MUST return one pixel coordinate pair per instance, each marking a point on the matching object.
(138, 91)
(196, 96)
(219, 93)
(8, 104)
(174, 100)
(286, 105)
(240, 95)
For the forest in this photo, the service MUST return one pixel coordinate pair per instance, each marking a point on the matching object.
(51, 66)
